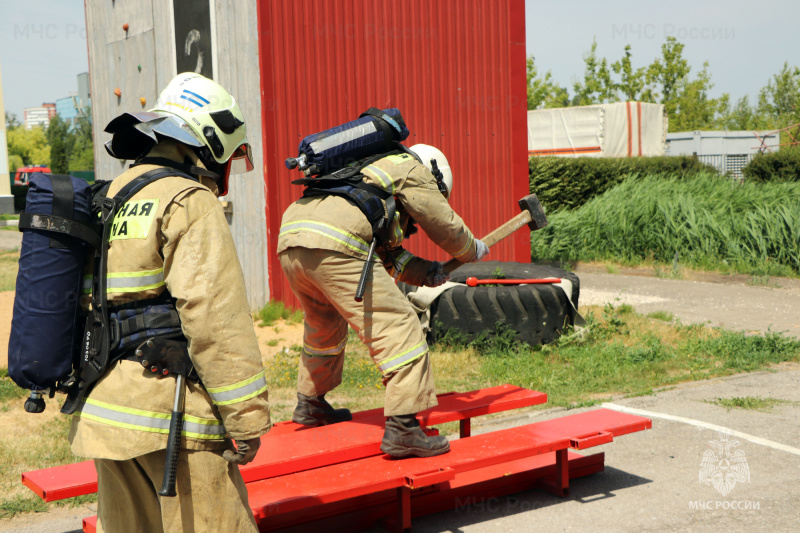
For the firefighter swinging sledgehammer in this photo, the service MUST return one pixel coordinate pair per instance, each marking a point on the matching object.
(324, 242)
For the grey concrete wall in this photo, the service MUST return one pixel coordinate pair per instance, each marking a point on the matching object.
(141, 61)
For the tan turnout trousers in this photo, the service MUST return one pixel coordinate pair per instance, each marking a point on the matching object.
(212, 498)
(325, 282)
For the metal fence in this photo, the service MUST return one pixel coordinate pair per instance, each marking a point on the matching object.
(729, 164)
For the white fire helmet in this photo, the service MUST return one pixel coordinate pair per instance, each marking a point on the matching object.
(192, 110)
(427, 153)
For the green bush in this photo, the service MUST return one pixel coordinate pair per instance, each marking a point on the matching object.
(706, 222)
(783, 165)
(567, 183)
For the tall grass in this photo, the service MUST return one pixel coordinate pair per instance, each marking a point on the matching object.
(705, 222)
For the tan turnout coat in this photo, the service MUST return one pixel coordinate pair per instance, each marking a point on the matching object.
(173, 236)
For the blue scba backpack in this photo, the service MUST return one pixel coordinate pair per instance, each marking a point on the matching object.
(376, 131)
(58, 232)
(54, 344)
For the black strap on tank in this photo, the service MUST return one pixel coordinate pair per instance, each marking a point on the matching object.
(380, 122)
(63, 202)
(60, 225)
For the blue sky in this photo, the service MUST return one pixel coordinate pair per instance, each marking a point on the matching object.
(43, 42)
(745, 44)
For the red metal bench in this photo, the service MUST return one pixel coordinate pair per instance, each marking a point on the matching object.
(290, 447)
(335, 478)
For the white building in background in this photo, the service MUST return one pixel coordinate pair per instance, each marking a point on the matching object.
(38, 116)
(622, 129)
(6, 200)
(727, 151)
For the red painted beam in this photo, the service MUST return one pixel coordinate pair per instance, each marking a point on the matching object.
(476, 468)
(340, 482)
(290, 447)
(61, 482)
(469, 488)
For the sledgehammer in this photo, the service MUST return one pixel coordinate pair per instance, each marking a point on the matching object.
(532, 215)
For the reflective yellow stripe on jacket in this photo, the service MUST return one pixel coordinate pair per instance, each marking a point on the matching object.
(379, 174)
(326, 230)
(150, 421)
(401, 261)
(239, 392)
(129, 281)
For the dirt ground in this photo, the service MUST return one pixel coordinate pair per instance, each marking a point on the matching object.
(6, 308)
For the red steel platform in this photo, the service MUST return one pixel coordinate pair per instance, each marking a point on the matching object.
(335, 477)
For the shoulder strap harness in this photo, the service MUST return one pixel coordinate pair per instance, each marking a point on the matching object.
(99, 341)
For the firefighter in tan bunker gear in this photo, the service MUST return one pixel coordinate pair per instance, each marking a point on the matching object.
(323, 243)
(172, 242)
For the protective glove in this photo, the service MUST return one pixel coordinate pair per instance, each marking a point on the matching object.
(481, 250)
(436, 275)
(245, 451)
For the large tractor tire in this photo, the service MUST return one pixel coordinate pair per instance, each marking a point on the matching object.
(538, 313)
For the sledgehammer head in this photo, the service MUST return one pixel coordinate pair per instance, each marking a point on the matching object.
(532, 205)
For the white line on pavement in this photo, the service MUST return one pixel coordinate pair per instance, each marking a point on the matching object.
(706, 425)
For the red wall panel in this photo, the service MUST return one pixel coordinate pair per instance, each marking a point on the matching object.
(456, 70)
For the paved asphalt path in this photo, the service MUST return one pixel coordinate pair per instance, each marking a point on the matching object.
(652, 480)
(10, 239)
(735, 306)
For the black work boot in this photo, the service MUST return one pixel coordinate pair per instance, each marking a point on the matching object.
(316, 411)
(404, 438)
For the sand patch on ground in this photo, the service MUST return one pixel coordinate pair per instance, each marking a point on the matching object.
(6, 308)
(273, 339)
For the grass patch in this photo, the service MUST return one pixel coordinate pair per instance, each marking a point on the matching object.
(275, 310)
(9, 265)
(11, 507)
(612, 269)
(621, 352)
(666, 316)
(763, 281)
(273, 342)
(30, 442)
(676, 223)
(8, 389)
(753, 403)
(19, 504)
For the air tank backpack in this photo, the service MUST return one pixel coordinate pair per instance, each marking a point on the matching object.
(56, 345)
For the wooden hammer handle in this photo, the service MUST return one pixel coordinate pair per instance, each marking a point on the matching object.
(495, 236)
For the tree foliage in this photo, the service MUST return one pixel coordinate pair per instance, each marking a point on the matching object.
(82, 155)
(669, 80)
(59, 147)
(29, 146)
(597, 87)
(542, 92)
(61, 143)
(779, 100)
(631, 82)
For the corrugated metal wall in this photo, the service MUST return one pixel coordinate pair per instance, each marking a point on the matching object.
(456, 70)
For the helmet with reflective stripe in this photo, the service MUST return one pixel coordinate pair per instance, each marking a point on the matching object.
(210, 111)
(435, 161)
(195, 111)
